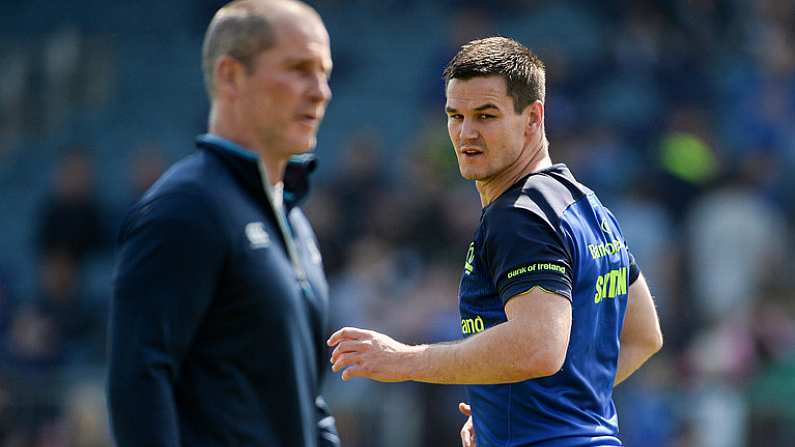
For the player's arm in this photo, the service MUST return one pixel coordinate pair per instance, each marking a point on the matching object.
(641, 336)
(531, 344)
(169, 253)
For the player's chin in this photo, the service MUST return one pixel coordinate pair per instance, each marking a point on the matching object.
(470, 174)
(303, 143)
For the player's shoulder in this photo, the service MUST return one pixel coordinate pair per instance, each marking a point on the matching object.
(544, 195)
(184, 191)
(189, 175)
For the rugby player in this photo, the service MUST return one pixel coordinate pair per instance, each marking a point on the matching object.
(554, 310)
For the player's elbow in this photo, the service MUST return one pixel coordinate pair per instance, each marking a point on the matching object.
(653, 339)
(650, 342)
(553, 362)
(655, 342)
(546, 363)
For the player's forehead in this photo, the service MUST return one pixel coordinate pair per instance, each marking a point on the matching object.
(464, 94)
(300, 35)
(300, 24)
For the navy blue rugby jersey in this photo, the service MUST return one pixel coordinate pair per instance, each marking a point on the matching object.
(552, 232)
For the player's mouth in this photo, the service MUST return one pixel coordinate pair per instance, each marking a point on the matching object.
(471, 152)
(309, 119)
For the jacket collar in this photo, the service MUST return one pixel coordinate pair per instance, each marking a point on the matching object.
(243, 164)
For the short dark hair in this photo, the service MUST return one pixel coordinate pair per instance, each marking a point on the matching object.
(522, 70)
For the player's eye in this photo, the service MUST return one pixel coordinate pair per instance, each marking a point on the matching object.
(456, 117)
(485, 116)
(303, 68)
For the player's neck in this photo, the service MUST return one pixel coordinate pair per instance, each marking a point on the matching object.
(493, 187)
(226, 129)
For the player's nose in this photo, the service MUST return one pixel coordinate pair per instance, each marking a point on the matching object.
(319, 90)
(468, 131)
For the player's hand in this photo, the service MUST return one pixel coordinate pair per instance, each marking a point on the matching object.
(468, 430)
(370, 354)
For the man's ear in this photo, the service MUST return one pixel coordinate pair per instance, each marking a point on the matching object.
(535, 117)
(229, 74)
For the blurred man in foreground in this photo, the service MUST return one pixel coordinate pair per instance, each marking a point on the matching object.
(554, 310)
(220, 300)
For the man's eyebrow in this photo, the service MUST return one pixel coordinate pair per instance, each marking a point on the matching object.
(480, 108)
(486, 106)
(299, 60)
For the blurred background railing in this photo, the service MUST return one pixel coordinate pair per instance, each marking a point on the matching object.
(678, 113)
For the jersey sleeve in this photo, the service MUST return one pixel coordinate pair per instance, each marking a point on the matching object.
(170, 251)
(523, 251)
(634, 270)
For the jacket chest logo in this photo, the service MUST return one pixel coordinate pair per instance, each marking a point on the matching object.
(257, 236)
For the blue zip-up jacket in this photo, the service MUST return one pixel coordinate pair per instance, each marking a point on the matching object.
(213, 340)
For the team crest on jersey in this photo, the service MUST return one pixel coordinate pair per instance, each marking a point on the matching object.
(257, 236)
(470, 259)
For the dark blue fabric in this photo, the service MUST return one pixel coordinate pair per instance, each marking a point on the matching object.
(550, 231)
(213, 341)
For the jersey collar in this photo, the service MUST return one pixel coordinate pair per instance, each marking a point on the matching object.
(243, 163)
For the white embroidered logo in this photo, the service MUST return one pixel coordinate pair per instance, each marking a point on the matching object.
(257, 236)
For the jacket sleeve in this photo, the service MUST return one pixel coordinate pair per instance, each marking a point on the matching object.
(170, 253)
(327, 428)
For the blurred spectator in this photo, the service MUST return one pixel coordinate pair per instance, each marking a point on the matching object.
(6, 305)
(62, 69)
(687, 159)
(468, 22)
(77, 323)
(148, 163)
(86, 416)
(738, 237)
(341, 212)
(13, 90)
(359, 181)
(771, 390)
(58, 326)
(32, 342)
(72, 220)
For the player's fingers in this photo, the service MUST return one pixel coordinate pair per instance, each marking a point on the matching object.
(344, 360)
(465, 409)
(343, 347)
(336, 337)
(346, 333)
(353, 371)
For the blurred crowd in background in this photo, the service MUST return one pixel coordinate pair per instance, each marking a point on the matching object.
(678, 113)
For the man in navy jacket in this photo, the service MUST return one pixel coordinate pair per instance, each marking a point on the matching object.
(220, 300)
